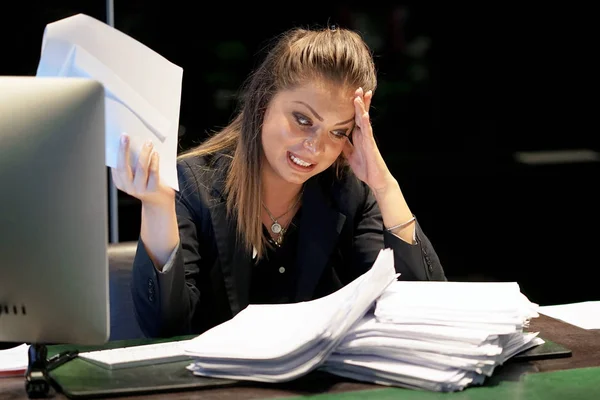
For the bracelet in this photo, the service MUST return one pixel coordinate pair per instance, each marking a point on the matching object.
(402, 225)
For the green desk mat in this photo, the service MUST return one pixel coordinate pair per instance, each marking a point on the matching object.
(572, 384)
(80, 378)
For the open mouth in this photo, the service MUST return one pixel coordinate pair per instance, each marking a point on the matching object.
(299, 163)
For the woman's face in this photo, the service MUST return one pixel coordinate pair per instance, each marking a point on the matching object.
(305, 130)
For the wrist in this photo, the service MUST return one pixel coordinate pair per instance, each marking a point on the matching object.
(154, 210)
(159, 231)
(390, 185)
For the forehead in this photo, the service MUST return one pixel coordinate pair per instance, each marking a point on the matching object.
(327, 99)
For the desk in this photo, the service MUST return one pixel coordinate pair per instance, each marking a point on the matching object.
(576, 377)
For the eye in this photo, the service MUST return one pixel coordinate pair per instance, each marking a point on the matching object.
(338, 135)
(302, 120)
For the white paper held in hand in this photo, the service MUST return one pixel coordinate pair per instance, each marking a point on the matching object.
(143, 89)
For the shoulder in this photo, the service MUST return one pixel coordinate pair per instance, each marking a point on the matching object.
(202, 171)
(197, 164)
(201, 179)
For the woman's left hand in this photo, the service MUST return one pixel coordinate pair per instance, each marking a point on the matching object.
(362, 154)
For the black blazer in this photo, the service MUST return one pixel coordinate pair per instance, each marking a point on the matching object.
(340, 235)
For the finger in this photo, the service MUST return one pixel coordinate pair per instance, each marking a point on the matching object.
(140, 181)
(358, 111)
(348, 149)
(363, 119)
(367, 98)
(116, 179)
(154, 175)
(123, 161)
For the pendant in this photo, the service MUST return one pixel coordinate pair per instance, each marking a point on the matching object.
(278, 241)
(275, 228)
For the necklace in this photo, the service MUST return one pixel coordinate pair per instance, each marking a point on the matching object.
(276, 227)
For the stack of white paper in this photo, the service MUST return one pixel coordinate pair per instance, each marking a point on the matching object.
(275, 343)
(440, 336)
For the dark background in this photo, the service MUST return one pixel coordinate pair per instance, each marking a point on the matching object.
(462, 93)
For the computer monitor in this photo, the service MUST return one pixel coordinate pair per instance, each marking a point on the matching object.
(53, 211)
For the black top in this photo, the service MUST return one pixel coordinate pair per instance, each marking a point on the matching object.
(339, 235)
(273, 278)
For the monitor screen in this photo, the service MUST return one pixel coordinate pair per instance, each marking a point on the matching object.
(53, 211)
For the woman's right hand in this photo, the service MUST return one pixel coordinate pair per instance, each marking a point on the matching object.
(142, 182)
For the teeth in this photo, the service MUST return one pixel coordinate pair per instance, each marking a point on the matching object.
(298, 161)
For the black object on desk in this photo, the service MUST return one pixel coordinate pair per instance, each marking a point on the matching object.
(37, 379)
(545, 351)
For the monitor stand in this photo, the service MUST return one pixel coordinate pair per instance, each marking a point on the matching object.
(37, 378)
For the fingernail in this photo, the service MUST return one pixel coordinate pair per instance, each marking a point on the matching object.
(124, 139)
(149, 143)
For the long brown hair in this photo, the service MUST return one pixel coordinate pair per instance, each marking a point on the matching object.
(338, 56)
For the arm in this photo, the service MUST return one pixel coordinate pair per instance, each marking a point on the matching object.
(395, 211)
(385, 206)
(418, 261)
(159, 232)
(165, 294)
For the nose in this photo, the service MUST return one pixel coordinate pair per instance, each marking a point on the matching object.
(313, 144)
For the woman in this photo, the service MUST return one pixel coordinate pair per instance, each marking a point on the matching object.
(288, 203)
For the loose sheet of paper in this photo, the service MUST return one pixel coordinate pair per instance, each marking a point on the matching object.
(585, 314)
(14, 361)
(143, 89)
